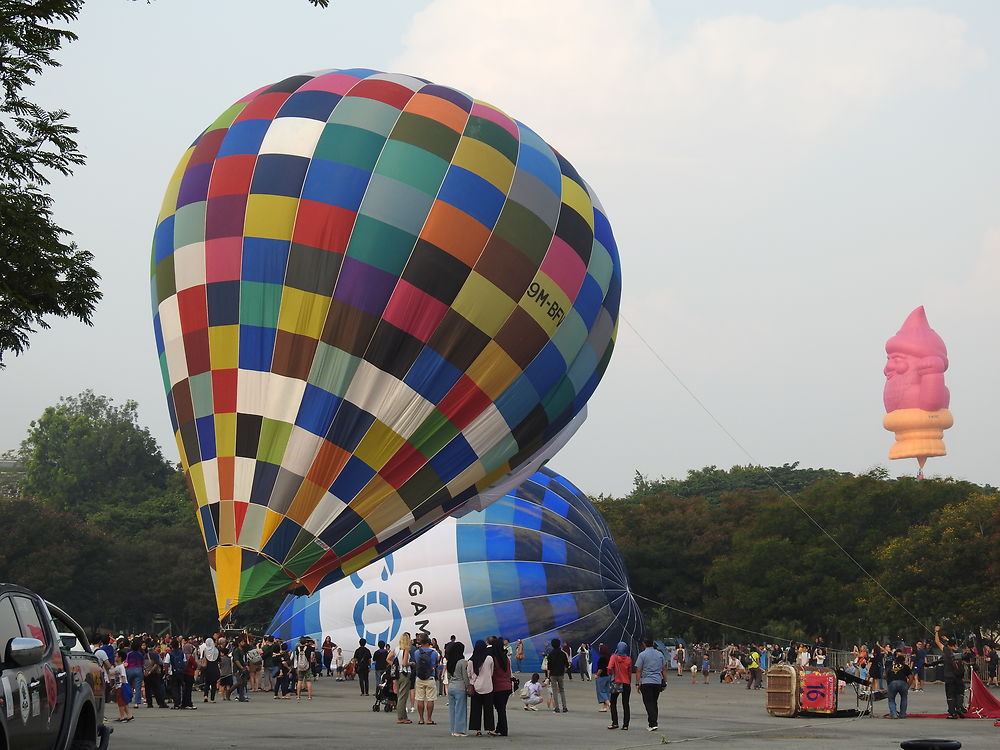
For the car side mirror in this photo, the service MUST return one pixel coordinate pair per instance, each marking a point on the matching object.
(24, 652)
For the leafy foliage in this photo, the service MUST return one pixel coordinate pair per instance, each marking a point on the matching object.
(40, 272)
(727, 545)
(87, 454)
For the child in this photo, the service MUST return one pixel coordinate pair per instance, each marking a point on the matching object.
(695, 668)
(123, 691)
(705, 667)
(340, 664)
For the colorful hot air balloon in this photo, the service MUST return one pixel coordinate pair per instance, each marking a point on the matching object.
(374, 297)
(915, 396)
(537, 564)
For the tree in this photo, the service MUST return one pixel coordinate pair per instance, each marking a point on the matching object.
(40, 272)
(89, 455)
(944, 568)
(60, 556)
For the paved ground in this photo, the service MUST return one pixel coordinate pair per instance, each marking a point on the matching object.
(703, 717)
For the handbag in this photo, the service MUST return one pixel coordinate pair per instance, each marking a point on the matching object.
(615, 688)
(470, 689)
(203, 662)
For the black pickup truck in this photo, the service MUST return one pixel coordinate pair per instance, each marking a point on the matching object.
(51, 684)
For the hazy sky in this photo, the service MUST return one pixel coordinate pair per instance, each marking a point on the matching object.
(786, 182)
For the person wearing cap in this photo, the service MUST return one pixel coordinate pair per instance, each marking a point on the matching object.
(953, 674)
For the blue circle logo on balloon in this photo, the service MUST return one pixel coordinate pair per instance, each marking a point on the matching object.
(384, 609)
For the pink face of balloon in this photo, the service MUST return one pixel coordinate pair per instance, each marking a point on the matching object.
(915, 369)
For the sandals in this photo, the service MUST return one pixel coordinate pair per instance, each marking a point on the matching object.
(612, 726)
(403, 721)
(431, 722)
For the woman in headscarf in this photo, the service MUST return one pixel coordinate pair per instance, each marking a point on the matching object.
(190, 665)
(480, 674)
(458, 678)
(620, 670)
(603, 679)
(502, 686)
(209, 670)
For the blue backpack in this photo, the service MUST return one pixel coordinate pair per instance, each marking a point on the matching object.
(177, 661)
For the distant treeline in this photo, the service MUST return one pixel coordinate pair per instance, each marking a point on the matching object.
(739, 547)
(98, 521)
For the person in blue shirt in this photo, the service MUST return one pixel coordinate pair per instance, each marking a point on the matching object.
(650, 679)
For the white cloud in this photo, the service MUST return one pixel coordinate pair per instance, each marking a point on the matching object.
(619, 70)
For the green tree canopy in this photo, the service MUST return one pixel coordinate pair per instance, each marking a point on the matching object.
(41, 273)
(88, 454)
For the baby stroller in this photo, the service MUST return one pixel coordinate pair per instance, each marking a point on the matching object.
(385, 698)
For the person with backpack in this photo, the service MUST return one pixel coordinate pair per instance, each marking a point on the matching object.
(255, 665)
(425, 660)
(177, 660)
(303, 667)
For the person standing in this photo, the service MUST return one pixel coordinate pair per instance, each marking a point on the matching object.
(153, 672)
(190, 667)
(679, 657)
(602, 679)
(557, 666)
(177, 660)
(241, 668)
(953, 674)
(379, 659)
(458, 678)
(650, 679)
(403, 681)
(363, 664)
(620, 669)
(753, 670)
(480, 674)
(897, 674)
(209, 664)
(583, 661)
(502, 687)
(328, 656)
(303, 667)
(519, 654)
(425, 661)
(135, 658)
(919, 663)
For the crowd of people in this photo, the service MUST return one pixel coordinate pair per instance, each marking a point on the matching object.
(409, 677)
(412, 674)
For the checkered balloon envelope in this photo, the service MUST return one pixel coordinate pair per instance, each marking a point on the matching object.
(374, 299)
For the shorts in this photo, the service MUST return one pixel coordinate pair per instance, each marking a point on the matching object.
(426, 690)
(304, 676)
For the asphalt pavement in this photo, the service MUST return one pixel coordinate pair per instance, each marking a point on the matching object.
(701, 716)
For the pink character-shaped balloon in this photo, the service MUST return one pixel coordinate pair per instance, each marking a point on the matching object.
(915, 396)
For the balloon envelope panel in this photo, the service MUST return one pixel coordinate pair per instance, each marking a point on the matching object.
(537, 564)
(373, 297)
